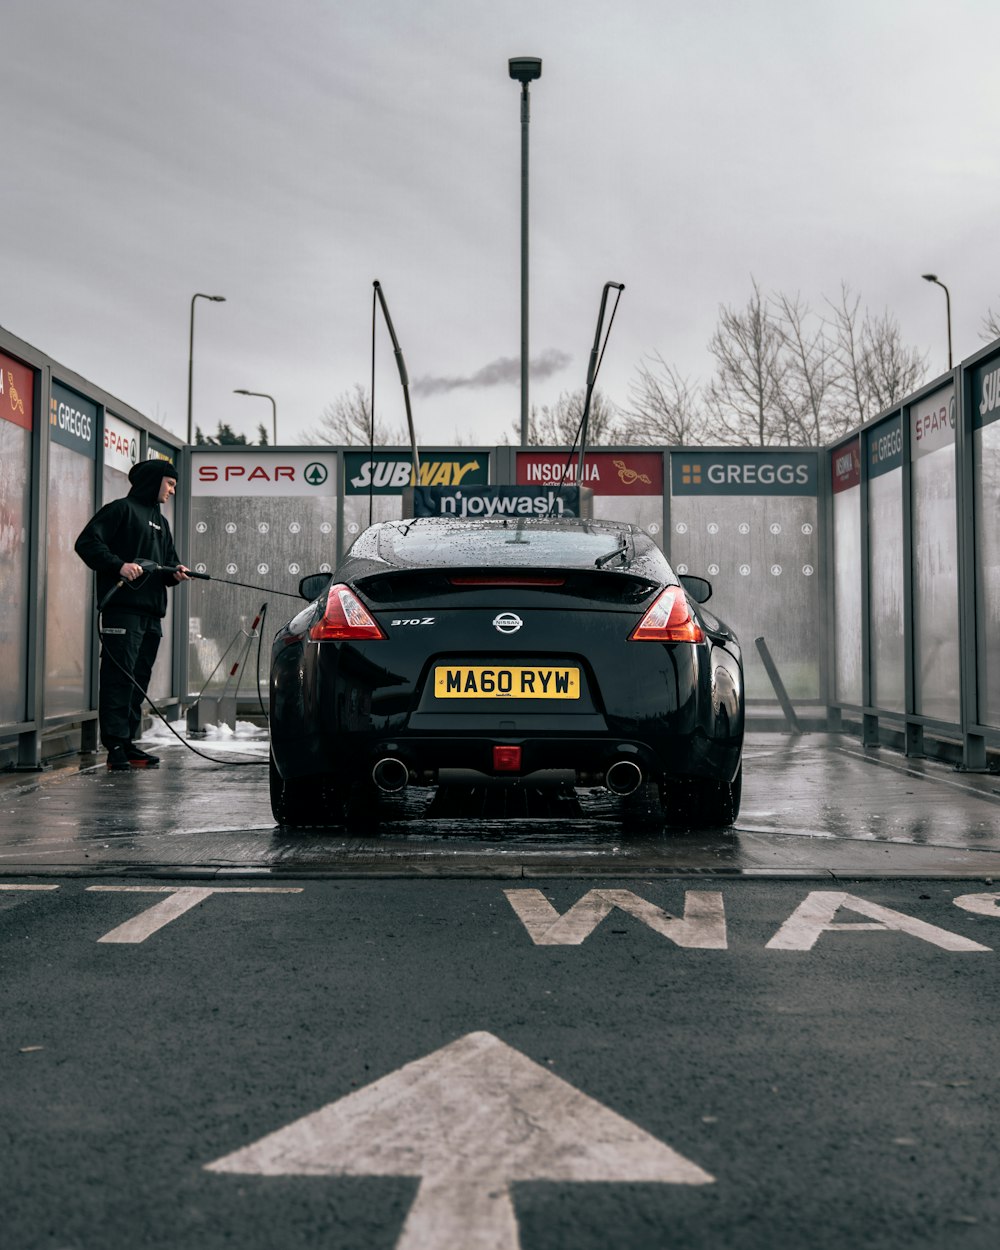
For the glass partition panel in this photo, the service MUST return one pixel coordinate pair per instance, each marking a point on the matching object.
(885, 545)
(69, 598)
(935, 557)
(759, 550)
(264, 518)
(884, 458)
(15, 500)
(986, 452)
(845, 466)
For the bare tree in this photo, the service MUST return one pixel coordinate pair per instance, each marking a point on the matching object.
(664, 408)
(808, 375)
(875, 369)
(893, 370)
(991, 326)
(743, 398)
(347, 420)
(558, 425)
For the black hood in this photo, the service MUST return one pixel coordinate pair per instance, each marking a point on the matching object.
(146, 477)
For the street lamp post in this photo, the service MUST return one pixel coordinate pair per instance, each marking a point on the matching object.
(932, 277)
(274, 407)
(218, 299)
(524, 69)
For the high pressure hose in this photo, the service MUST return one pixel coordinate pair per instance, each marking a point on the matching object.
(150, 566)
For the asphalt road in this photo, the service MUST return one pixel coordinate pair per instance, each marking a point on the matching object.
(591, 1063)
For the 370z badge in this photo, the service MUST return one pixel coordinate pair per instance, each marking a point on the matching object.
(414, 620)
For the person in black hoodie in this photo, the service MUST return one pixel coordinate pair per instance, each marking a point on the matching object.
(121, 533)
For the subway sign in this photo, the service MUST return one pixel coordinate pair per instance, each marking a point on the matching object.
(391, 474)
(986, 394)
(743, 473)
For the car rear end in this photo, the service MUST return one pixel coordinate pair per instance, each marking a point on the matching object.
(442, 671)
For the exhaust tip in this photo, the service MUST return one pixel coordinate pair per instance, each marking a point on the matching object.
(623, 777)
(390, 775)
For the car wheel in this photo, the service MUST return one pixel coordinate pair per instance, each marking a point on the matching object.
(303, 803)
(642, 810)
(703, 803)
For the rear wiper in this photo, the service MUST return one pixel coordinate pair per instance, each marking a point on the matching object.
(601, 561)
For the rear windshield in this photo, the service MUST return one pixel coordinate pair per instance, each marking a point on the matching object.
(443, 543)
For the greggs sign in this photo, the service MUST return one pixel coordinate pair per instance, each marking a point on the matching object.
(743, 473)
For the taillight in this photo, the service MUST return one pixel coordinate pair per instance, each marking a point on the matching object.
(346, 619)
(668, 619)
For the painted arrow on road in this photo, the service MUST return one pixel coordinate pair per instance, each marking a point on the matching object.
(468, 1120)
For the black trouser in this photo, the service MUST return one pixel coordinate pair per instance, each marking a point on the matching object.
(128, 648)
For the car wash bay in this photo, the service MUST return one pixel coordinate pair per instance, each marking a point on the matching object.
(526, 1030)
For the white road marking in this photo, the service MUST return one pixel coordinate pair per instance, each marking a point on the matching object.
(14, 895)
(468, 1120)
(182, 899)
(814, 915)
(981, 904)
(703, 925)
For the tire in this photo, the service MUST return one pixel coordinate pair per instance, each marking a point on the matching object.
(304, 803)
(642, 811)
(703, 803)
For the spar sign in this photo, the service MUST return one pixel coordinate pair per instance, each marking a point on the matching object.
(276, 473)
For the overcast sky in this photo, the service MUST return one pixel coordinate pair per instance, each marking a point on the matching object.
(286, 154)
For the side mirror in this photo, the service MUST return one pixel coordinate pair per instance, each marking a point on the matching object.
(698, 588)
(312, 587)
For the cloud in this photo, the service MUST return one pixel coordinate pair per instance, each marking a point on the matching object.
(504, 371)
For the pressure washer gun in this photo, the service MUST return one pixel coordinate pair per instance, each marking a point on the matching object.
(148, 566)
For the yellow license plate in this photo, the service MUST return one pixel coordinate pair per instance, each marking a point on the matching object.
(479, 681)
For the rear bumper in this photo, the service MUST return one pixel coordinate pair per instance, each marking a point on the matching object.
(349, 759)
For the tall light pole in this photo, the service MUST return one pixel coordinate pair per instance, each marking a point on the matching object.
(932, 277)
(524, 69)
(218, 299)
(274, 407)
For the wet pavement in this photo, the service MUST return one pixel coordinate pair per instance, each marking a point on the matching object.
(813, 805)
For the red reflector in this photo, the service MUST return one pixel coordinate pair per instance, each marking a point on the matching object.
(506, 759)
(507, 581)
(669, 619)
(346, 618)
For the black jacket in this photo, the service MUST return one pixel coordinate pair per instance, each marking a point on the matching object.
(125, 530)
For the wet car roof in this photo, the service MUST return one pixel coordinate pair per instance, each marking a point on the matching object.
(435, 542)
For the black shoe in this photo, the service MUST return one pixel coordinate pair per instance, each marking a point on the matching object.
(138, 758)
(118, 760)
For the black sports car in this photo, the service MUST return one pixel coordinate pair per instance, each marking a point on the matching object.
(548, 651)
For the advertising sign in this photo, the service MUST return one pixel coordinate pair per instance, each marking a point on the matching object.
(743, 473)
(885, 447)
(155, 450)
(262, 473)
(845, 465)
(121, 443)
(605, 472)
(986, 393)
(388, 473)
(17, 392)
(932, 423)
(498, 501)
(72, 420)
